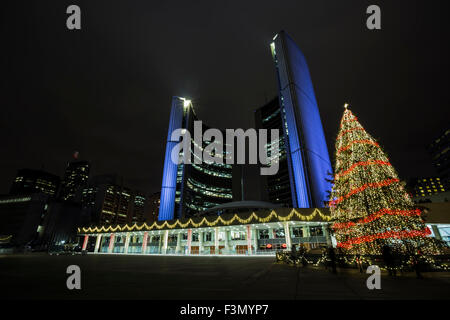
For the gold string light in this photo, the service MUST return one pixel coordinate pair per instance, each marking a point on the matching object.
(204, 222)
(6, 238)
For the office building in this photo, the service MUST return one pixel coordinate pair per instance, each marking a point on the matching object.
(75, 179)
(22, 218)
(307, 158)
(189, 189)
(108, 201)
(420, 188)
(152, 208)
(29, 181)
(303, 179)
(275, 188)
(60, 224)
(440, 153)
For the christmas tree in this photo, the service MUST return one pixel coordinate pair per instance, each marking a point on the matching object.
(369, 205)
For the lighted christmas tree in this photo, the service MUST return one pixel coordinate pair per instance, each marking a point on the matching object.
(369, 205)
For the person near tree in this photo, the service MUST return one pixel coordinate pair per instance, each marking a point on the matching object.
(332, 257)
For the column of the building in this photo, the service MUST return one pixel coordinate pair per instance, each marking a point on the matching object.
(227, 243)
(287, 235)
(306, 234)
(249, 239)
(326, 234)
(255, 240)
(111, 243)
(189, 241)
(150, 240)
(166, 241)
(305, 229)
(216, 240)
(160, 243)
(271, 233)
(200, 242)
(85, 242)
(127, 243)
(436, 232)
(144, 242)
(178, 247)
(271, 236)
(97, 242)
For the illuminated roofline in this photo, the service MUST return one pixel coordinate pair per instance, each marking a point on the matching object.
(204, 222)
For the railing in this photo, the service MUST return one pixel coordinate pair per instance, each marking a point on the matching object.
(295, 240)
(313, 239)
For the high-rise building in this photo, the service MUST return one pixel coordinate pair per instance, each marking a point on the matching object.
(440, 152)
(138, 207)
(303, 179)
(303, 146)
(21, 218)
(152, 209)
(108, 201)
(419, 188)
(30, 181)
(275, 188)
(189, 189)
(75, 179)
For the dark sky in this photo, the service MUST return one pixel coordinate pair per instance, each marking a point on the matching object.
(105, 90)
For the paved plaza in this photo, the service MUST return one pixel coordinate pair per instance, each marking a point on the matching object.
(41, 276)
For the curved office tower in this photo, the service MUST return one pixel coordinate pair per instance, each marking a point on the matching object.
(189, 189)
(308, 162)
(304, 163)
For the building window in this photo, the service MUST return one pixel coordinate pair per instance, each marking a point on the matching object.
(221, 236)
(208, 236)
(297, 232)
(238, 235)
(264, 234)
(316, 231)
(184, 236)
(278, 233)
(194, 236)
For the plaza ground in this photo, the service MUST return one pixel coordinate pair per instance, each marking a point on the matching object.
(40, 276)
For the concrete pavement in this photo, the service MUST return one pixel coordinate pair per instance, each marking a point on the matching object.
(40, 276)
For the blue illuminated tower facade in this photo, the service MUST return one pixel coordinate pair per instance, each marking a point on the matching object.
(189, 189)
(307, 157)
(169, 181)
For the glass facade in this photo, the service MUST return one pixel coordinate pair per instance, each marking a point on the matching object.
(308, 161)
(276, 188)
(190, 189)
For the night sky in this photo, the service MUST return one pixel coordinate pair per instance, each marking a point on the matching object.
(106, 90)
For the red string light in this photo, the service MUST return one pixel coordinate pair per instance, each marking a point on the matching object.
(404, 234)
(347, 131)
(362, 188)
(358, 141)
(361, 163)
(377, 215)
